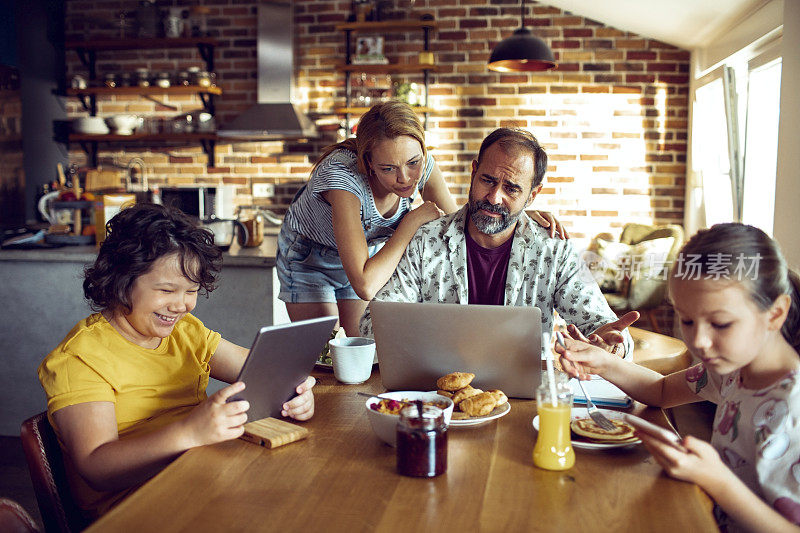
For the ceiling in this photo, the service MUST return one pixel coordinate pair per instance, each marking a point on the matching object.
(683, 23)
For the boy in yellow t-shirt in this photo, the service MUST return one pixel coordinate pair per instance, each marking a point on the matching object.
(126, 388)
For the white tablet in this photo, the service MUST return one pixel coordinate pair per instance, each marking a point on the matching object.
(280, 359)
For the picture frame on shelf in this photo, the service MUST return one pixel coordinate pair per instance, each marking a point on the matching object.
(369, 50)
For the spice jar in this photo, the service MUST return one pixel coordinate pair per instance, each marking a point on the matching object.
(142, 77)
(421, 442)
(203, 79)
(183, 78)
(162, 79)
(193, 74)
(110, 79)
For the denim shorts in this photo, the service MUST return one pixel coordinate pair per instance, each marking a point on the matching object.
(309, 272)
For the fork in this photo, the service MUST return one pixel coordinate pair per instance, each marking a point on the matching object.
(594, 413)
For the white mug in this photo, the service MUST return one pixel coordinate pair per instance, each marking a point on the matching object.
(352, 359)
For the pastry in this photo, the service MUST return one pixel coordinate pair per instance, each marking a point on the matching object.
(499, 396)
(445, 393)
(462, 394)
(454, 381)
(479, 405)
(586, 427)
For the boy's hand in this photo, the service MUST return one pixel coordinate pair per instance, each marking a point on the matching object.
(215, 420)
(301, 407)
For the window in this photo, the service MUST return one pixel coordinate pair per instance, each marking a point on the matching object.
(733, 175)
(761, 144)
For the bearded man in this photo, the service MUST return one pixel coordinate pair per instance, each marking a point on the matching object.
(490, 252)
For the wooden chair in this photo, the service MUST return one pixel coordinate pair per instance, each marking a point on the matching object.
(15, 519)
(59, 510)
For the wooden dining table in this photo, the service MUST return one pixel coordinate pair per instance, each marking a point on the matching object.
(343, 478)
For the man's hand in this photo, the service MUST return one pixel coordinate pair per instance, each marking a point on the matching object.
(608, 335)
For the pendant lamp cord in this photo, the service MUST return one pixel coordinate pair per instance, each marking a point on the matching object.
(522, 14)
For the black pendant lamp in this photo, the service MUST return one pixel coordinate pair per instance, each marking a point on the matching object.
(522, 52)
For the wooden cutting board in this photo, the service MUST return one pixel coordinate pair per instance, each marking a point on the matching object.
(271, 432)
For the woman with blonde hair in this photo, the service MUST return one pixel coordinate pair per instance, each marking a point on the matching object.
(348, 227)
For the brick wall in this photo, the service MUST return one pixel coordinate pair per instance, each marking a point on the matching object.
(612, 117)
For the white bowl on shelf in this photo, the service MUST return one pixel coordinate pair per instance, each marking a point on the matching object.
(123, 124)
(90, 125)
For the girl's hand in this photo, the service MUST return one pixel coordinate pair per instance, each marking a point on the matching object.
(424, 213)
(215, 420)
(546, 220)
(301, 407)
(698, 463)
(580, 358)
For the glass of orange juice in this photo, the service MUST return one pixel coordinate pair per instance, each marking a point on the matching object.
(553, 449)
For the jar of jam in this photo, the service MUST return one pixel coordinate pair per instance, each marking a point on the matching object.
(421, 442)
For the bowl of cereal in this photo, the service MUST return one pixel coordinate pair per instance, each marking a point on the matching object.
(384, 411)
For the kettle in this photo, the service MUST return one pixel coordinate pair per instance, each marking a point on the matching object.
(224, 230)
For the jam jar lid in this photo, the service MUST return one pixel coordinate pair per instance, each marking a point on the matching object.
(432, 417)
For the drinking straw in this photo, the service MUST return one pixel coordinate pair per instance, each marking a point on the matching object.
(551, 376)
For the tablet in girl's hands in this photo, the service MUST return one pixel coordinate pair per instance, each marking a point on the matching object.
(653, 430)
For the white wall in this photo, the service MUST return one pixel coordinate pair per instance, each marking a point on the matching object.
(787, 189)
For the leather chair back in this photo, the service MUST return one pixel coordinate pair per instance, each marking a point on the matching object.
(60, 512)
(15, 519)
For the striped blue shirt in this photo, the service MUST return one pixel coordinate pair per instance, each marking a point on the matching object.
(310, 214)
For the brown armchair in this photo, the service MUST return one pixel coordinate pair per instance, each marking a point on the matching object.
(646, 292)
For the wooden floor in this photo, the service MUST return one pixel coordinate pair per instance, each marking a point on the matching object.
(15, 481)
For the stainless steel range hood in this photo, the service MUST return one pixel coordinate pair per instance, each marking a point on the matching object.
(274, 116)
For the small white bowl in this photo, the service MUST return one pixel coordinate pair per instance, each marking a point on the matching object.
(385, 425)
(90, 125)
(123, 124)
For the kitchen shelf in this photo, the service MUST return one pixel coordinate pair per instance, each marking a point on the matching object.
(90, 142)
(388, 25)
(134, 44)
(362, 110)
(387, 68)
(383, 27)
(87, 52)
(144, 91)
(111, 137)
(88, 96)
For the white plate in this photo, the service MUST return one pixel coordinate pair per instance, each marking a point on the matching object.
(581, 412)
(478, 420)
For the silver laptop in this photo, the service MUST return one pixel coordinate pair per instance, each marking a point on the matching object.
(279, 360)
(419, 342)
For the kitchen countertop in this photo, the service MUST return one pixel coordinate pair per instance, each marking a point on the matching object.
(263, 255)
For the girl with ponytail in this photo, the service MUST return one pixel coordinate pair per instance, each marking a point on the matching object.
(739, 310)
